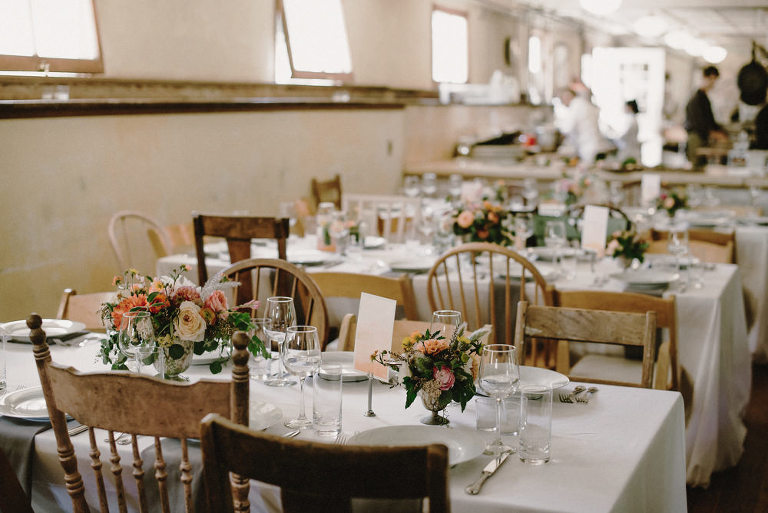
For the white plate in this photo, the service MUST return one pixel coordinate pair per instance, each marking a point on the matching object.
(18, 330)
(415, 265)
(543, 377)
(262, 415)
(346, 360)
(372, 242)
(548, 254)
(309, 257)
(645, 278)
(463, 444)
(207, 358)
(28, 403)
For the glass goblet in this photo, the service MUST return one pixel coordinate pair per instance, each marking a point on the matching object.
(136, 338)
(499, 377)
(279, 315)
(446, 322)
(300, 353)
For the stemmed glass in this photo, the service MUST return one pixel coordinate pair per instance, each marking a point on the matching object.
(136, 337)
(454, 186)
(300, 353)
(279, 315)
(499, 377)
(446, 322)
(427, 224)
(429, 184)
(523, 228)
(677, 243)
(555, 238)
(411, 186)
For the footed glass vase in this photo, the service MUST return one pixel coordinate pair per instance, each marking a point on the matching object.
(177, 357)
(435, 401)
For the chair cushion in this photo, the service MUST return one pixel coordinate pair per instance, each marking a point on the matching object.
(613, 368)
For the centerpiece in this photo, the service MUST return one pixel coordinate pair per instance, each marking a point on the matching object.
(672, 201)
(437, 369)
(626, 246)
(482, 222)
(187, 319)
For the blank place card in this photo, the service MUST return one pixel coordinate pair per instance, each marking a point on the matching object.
(375, 323)
(650, 188)
(595, 229)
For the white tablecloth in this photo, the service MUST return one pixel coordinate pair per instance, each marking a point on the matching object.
(752, 258)
(621, 452)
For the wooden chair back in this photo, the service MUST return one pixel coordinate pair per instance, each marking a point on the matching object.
(139, 405)
(238, 231)
(666, 317)
(706, 245)
(351, 285)
(327, 191)
(127, 235)
(393, 216)
(85, 308)
(176, 238)
(595, 326)
(261, 278)
(614, 212)
(308, 472)
(456, 279)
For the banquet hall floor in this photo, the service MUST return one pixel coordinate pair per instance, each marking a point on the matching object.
(743, 488)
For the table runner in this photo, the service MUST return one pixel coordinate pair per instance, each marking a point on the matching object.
(17, 441)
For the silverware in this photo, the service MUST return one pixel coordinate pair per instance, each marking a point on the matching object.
(77, 430)
(121, 439)
(340, 440)
(291, 434)
(584, 398)
(569, 398)
(488, 471)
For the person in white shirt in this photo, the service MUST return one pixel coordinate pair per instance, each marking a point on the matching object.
(629, 147)
(580, 126)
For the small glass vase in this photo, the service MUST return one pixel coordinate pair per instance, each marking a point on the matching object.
(175, 366)
(435, 402)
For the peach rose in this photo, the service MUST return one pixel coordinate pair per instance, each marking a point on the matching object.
(433, 346)
(482, 234)
(493, 217)
(669, 202)
(612, 247)
(189, 325)
(444, 376)
(216, 301)
(465, 219)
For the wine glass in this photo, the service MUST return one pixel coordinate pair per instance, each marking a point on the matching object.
(411, 186)
(136, 337)
(677, 243)
(300, 353)
(530, 192)
(279, 315)
(555, 238)
(523, 228)
(446, 322)
(499, 377)
(429, 184)
(427, 224)
(454, 186)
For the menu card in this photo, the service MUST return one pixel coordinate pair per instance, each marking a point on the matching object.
(375, 323)
(650, 188)
(595, 229)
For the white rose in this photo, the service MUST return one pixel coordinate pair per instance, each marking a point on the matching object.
(189, 325)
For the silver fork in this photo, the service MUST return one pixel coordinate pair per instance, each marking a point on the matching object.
(569, 398)
(584, 398)
(340, 440)
(77, 430)
(121, 439)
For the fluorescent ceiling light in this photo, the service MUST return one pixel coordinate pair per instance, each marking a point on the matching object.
(650, 26)
(600, 7)
(715, 54)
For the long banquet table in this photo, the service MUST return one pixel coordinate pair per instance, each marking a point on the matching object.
(624, 451)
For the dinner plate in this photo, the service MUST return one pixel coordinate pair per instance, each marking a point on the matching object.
(208, 358)
(541, 376)
(18, 330)
(759, 220)
(414, 265)
(463, 444)
(548, 254)
(27, 403)
(346, 360)
(645, 278)
(372, 242)
(309, 257)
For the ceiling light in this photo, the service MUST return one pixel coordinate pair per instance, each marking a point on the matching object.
(715, 54)
(676, 39)
(695, 47)
(650, 26)
(600, 7)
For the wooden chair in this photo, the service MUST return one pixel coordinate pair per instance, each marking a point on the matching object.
(127, 232)
(238, 231)
(706, 245)
(351, 285)
(172, 239)
(85, 308)
(263, 277)
(14, 500)
(457, 278)
(595, 326)
(393, 216)
(308, 472)
(327, 191)
(139, 405)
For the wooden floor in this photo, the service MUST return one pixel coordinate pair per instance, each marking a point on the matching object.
(743, 488)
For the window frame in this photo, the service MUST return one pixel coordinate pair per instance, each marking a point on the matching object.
(302, 74)
(57, 64)
(455, 12)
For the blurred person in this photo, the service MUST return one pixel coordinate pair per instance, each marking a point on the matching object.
(580, 125)
(699, 121)
(627, 143)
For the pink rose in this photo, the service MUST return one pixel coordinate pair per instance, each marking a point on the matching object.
(669, 203)
(444, 376)
(216, 301)
(465, 219)
(612, 247)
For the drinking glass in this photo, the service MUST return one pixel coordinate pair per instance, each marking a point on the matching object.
(530, 192)
(279, 315)
(327, 400)
(429, 184)
(523, 228)
(677, 243)
(258, 365)
(136, 338)
(454, 186)
(300, 353)
(427, 225)
(535, 423)
(555, 238)
(446, 322)
(499, 377)
(411, 186)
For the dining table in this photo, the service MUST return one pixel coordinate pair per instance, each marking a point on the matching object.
(624, 450)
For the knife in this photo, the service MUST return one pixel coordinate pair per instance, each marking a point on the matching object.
(488, 471)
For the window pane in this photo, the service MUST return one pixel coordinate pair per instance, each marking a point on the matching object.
(450, 53)
(65, 29)
(16, 28)
(317, 36)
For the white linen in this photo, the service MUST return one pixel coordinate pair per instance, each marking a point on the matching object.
(752, 258)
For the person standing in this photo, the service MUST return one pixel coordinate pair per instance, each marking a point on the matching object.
(580, 125)
(629, 146)
(699, 121)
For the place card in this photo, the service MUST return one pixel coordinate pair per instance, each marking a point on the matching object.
(650, 188)
(595, 229)
(375, 323)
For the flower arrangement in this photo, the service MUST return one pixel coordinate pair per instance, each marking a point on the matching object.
(672, 201)
(181, 313)
(442, 370)
(482, 223)
(626, 244)
(570, 190)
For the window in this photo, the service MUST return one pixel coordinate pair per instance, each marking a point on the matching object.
(49, 35)
(535, 71)
(450, 49)
(311, 41)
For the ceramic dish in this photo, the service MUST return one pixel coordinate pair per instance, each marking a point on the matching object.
(18, 330)
(372, 242)
(28, 404)
(543, 377)
(645, 278)
(346, 360)
(416, 265)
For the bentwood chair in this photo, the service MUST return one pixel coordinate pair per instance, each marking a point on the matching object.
(238, 231)
(327, 191)
(594, 326)
(139, 405)
(706, 245)
(85, 308)
(260, 278)
(175, 238)
(351, 285)
(308, 472)
(132, 247)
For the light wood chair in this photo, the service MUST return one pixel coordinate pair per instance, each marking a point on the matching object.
(308, 472)
(326, 191)
(85, 308)
(238, 231)
(351, 285)
(393, 216)
(139, 405)
(176, 238)
(127, 232)
(260, 278)
(595, 326)
(706, 245)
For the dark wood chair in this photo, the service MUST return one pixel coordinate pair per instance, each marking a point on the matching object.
(260, 278)
(85, 308)
(327, 191)
(238, 231)
(308, 472)
(139, 405)
(594, 326)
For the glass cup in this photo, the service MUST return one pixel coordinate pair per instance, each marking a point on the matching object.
(446, 322)
(568, 262)
(3, 375)
(300, 354)
(259, 366)
(535, 424)
(485, 411)
(411, 186)
(327, 400)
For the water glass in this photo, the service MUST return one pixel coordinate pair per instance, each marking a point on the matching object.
(446, 322)
(429, 184)
(568, 263)
(3, 375)
(411, 186)
(454, 185)
(535, 424)
(258, 366)
(499, 377)
(300, 353)
(485, 411)
(327, 400)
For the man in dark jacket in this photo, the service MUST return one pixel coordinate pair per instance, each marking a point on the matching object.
(699, 121)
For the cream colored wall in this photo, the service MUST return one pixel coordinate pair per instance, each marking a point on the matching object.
(64, 177)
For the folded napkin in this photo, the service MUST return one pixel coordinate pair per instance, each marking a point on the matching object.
(59, 339)
(17, 441)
